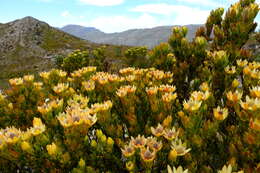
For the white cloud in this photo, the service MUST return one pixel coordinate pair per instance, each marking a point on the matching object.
(65, 14)
(121, 23)
(102, 2)
(180, 14)
(202, 2)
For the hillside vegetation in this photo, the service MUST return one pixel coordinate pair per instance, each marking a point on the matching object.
(185, 106)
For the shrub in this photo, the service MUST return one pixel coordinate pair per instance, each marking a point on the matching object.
(203, 116)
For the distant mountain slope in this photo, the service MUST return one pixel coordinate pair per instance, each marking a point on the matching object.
(78, 30)
(134, 37)
(27, 45)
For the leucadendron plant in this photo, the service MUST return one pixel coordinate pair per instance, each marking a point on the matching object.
(197, 111)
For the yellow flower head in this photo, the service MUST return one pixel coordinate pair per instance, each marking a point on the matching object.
(151, 91)
(197, 95)
(178, 170)
(170, 134)
(125, 90)
(130, 165)
(255, 92)
(61, 87)
(88, 85)
(38, 85)
(130, 78)
(25, 146)
(61, 73)
(138, 142)
(147, 155)
(12, 135)
(192, 105)
(180, 147)
(235, 83)
(28, 78)
(154, 144)
(167, 88)
(250, 104)
(230, 70)
(128, 70)
(128, 150)
(220, 114)
(16, 81)
(242, 63)
(234, 96)
(226, 169)
(38, 127)
(169, 97)
(45, 75)
(52, 149)
(158, 131)
(204, 87)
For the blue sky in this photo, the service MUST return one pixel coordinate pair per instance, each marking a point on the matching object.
(113, 15)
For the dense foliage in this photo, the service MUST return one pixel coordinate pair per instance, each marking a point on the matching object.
(200, 112)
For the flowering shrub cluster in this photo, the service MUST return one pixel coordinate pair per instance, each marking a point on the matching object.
(199, 115)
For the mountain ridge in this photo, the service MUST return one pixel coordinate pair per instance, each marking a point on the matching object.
(149, 37)
(28, 45)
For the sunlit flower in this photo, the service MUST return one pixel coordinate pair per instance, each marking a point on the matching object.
(247, 70)
(12, 135)
(220, 114)
(192, 105)
(230, 70)
(61, 73)
(125, 90)
(147, 155)
(88, 85)
(167, 88)
(25, 146)
(38, 127)
(180, 147)
(226, 169)
(235, 83)
(130, 78)
(138, 142)
(45, 75)
(52, 149)
(204, 86)
(130, 165)
(97, 107)
(128, 150)
(178, 170)
(28, 78)
(78, 101)
(255, 91)
(234, 96)
(151, 91)
(251, 104)
(154, 144)
(128, 70)
(16, 81)
(171, 134)
(60, 88)
(197, 95)
(38, 85)
(242, 63)
(169, 97)
(158, 131)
